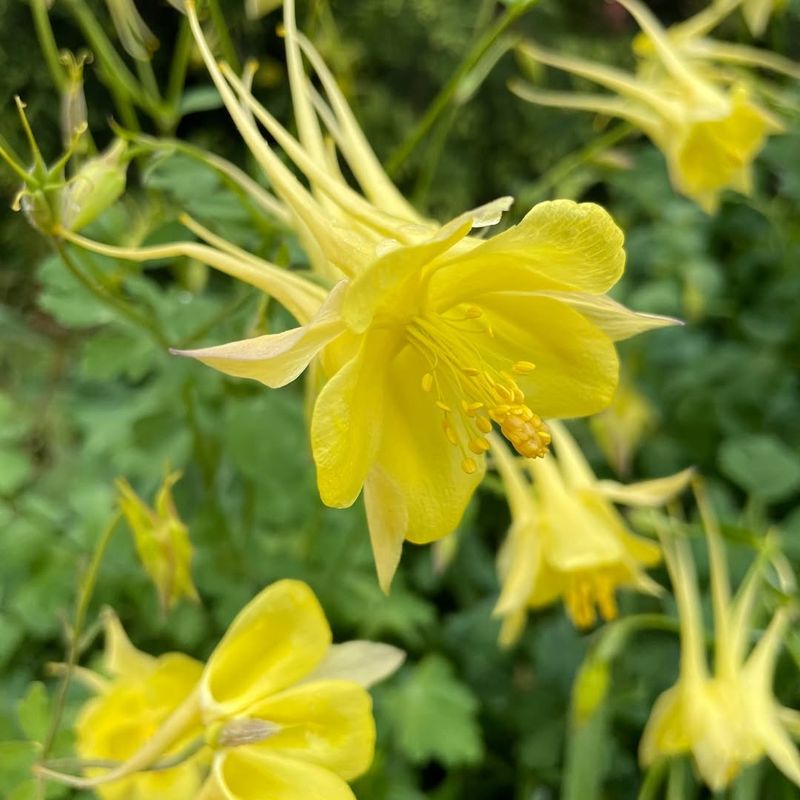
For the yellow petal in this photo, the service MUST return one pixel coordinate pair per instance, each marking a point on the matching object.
(571, 461)
(121, 659)
(364, 663)
(327, 723)
(275, 641)
(387, 519)
(369, 289)
(650, 493)
(348, 419)
(248, 773)
(522, 554)
(614, 319)
(424, 468)
(576, 364)
(559, 244)
(518, 490)
(782, 751)
(276, 359)
(667, 732)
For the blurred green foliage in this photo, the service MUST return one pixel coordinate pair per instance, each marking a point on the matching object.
(86, 396)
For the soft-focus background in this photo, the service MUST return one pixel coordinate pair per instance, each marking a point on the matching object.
(85, 397)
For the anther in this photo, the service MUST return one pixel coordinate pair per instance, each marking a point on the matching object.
(473, 312)
(470, 372)
(523, 367)
(469, 466)
(450, 433)
(483, 424)
(443, 406)
(427, 382)
(479, 445)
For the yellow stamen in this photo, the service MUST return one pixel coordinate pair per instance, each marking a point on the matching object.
(523, 367)
(469, 466)
(427, 382)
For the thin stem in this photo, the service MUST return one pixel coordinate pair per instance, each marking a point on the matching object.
(177, 70)
(111, 300)
(221, 29)
(448, 91)
(572, 161)
(653, 780)
(47, 42)
(74, 637)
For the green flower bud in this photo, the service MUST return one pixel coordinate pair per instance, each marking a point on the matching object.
(95, 187)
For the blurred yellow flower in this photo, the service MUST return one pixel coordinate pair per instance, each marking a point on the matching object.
(619, 429)
(162, 541)
(727, 718)
(136, 693)
(566, 538)
(426, 336)
(288, 714)
(701, 117)
(278, 711)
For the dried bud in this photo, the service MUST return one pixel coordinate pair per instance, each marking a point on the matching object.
(136, 38)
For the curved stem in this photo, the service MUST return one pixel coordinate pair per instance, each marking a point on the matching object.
(47, 42)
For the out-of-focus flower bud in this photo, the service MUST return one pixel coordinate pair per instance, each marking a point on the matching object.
(589, 690)
(94, 188)
(135, 37)
(162, 541)
(73, 100)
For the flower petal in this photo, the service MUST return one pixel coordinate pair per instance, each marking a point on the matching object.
(348, 419)
(425, 469)
(121, 659)
(576, 364)
(278, 358)
(651, 493)
(614, 319)
(248, 773)
(327, 723)
(387, 519)
(364, 663)
(559, 244)
(276, 640)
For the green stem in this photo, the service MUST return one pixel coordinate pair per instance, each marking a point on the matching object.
(221, 29)
(47, 41)
(448, 91)
(573, 161)
(73, 646)
(180, 64)
(111, 300)
(653, 780)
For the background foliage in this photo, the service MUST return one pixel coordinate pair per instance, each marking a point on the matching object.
(86, 396)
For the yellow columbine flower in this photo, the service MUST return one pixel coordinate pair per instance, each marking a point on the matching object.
(566, 538)
(429, 336)
(703, 119)
(162, 541)
(727, 718)
(278, 711)
(136, 693)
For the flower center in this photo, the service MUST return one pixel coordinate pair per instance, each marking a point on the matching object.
(469, 391)
(588, 592)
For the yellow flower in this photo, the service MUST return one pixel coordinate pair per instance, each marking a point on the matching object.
(135, 696)
(702, 117)
(727, 718)
(429, 336)
(162, 541)
(288, 714)
(566, 538)
(278, 711)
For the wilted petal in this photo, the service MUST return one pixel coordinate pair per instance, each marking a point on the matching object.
(275, 641)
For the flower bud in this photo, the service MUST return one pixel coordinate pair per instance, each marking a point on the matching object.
(590, 689)
(94, 188)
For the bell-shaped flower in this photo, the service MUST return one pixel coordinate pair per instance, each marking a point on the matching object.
(278, 711)
(567, 541)
(429, 336)
(704, 118)
(727, 718)
(135, 693)
(162, 541)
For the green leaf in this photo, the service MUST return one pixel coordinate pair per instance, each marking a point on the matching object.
(434, 716)
(15, 469)
(33, 712)
(761, 465)
(200, 98)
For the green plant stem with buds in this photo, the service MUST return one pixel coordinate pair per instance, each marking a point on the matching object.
(448, 92)
(74, 635)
